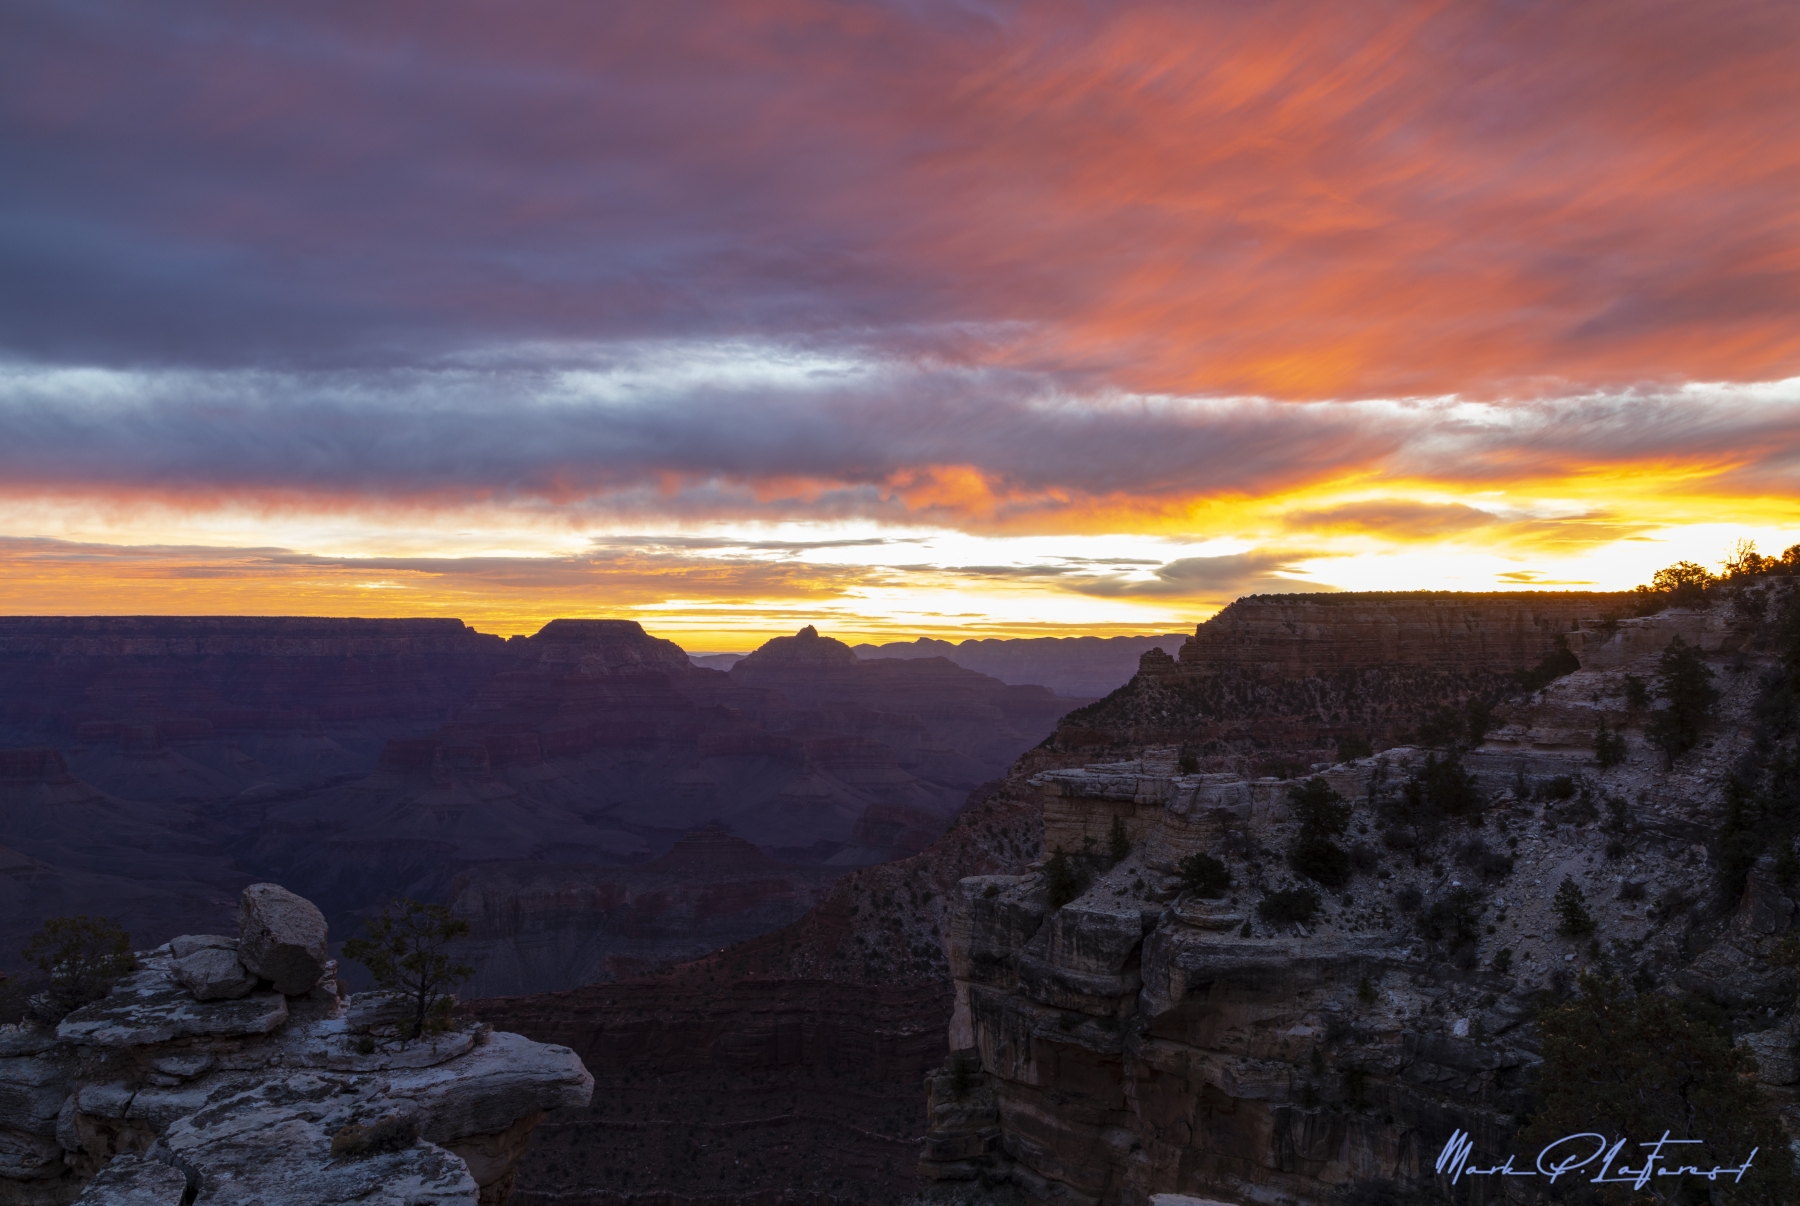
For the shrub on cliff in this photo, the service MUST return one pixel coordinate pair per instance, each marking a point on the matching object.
(1439, 790)
(1204, 875)
(1286, 908)
(406, 952)
(1571, 909)
(1323, 815)
(1557, 663)
(1064, 878)
(1686, 683)
(81, 958)
(1454, 921)
(1609, 745)
(1633, 1067)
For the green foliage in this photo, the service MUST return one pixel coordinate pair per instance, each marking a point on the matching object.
(1635, 1067)
(1188, 763)
(1322, 860)
(1684, 584)
(1441, 789)
(1323, 815)
(1637, 693)
(406, 953)
(82, 957)
(1557, 663)
(1064, 878)
(1571, 908)
(1686, 683)
(1319, 809)
(1609, 745)
(1352, 746)
(1285, 908)
(1117, 843)
(1503, 961)
(1204, 875)
(1365, 991)
(1455, 921)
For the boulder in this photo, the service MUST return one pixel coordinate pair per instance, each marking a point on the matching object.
(213, 974)
(187, 944)
(282, 938)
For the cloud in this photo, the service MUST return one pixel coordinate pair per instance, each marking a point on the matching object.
(1210, 579)
(1392, 518)
(1300, 199)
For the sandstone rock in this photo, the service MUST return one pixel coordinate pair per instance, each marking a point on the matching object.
(186, 944)
(282, 938)
(149, 1007)
(133, 1179)
(213, 974)
(244, 1098)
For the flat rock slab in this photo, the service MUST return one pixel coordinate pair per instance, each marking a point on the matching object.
(271, 1146)
(213, 974)
(135, 1180)
(150, 1008)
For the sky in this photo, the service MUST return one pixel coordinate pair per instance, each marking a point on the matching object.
(901, 318)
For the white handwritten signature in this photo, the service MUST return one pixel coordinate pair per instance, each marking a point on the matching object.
(1565, 1156)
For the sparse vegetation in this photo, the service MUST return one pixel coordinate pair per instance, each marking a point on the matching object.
(1455, 922)
(1323, 815)
(1556, 664)
(1570, 904)
(1204, 875)
(1609, 745)
(392, 1134)
(1118, 844)
(1687, 684)
(1064, 878)
(1286, 908)
(1637, 1066)
(80, 958)
(1352, 746)
(406, 953)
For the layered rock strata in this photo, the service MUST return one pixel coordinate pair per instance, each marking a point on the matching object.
(1141, 1041)
(158, 1096)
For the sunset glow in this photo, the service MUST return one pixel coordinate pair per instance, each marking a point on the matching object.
(900, 319)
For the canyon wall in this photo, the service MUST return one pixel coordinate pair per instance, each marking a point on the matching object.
(1142, 1039)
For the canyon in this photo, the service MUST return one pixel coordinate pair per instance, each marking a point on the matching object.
(1138, 1038)
(538, 784)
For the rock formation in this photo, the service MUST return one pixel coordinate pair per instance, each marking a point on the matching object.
(1142, 1039)
(157, 1095)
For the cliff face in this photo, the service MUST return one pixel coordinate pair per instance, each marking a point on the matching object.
(1303, 636)
(1278, 680)
(1142, 1040)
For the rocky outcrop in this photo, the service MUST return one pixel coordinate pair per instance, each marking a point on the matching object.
(282, 938)
(154, 1095)
(1305, 636)
(1140, 1041)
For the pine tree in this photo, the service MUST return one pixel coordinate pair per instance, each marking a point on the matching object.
(1571, 906)
(1686, 683)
